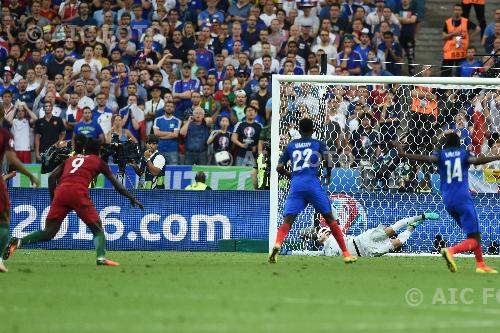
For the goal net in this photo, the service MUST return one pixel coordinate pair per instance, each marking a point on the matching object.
(357, 117)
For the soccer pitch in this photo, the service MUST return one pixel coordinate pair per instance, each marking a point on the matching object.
(63, 291)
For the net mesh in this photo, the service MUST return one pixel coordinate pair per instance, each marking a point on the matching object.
(370, 184)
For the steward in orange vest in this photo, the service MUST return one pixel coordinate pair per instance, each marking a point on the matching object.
(456, 40)
(474, 2)
(456, 47)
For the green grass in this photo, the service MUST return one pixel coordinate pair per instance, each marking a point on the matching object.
(63, 291)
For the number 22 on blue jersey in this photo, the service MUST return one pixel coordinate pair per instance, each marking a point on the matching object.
(301, 159)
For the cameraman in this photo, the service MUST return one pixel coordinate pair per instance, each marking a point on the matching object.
(152, 165)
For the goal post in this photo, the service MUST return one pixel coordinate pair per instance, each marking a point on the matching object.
(363, 195)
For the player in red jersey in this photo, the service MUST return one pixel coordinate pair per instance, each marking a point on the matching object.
(72, 179)
(6, 143)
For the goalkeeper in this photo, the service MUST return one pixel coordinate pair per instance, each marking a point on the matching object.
(373, 242)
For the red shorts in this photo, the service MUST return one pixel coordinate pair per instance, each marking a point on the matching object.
(67, 199)
(4, 203)
(24, 156)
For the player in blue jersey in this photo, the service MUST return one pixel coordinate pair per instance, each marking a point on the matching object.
(453, 163)
(306, 155)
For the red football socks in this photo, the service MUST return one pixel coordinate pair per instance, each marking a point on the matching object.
(282, 232)
(469, 244)
(339, 237)
(478, 253)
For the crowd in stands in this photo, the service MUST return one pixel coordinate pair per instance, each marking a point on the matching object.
(197, 73)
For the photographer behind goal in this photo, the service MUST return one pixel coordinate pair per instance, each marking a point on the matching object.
(152, 165)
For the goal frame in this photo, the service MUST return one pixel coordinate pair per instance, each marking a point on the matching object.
(277, 79)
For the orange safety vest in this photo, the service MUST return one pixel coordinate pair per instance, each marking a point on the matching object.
(474, 2)
(453, 49)
(424, 106)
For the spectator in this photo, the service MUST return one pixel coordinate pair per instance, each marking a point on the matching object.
(219, 70)
(152, 107)
(182, 92)
(57, 64)
(39, 20)
(95, 65)
(208, 102)
(364, 45)
(100, 15)
(118, 134)
(250, 30)
(186, 12)
(376, 17)
(220, 139)
(349, 59)
(277, 36)
(210, 13)
(7, 84)
(83, 18)
(240, 104)
(490, 41)
(424, 112)
(21, 120)
(339, 23)
(204, 57)
(479, 117)
(241, 79)
(8, 106)
(408, 20)
(49, 130)
(460, 126)
(393, 53)
(167, 128)
(133, 117)
(196, 130)
(333, 132)
(88, 127)
(140, 91)
(325, 45)
(494, 107)
(470, 64)
(102, 114)
(106, 88)
(23, 95)
(304, 42)
(269, 13)
(245, 138)
(224, 111)
(262, 96)
(381, 29)
(389, 120)
(456, 39)
(364, 140)
(239, 11)
(376, 69)
(177, 46)
(307, 18)
(490, 28)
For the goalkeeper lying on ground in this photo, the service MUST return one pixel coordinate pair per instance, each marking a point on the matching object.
(371, 243)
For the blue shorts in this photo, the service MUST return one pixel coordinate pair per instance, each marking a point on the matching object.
(465, 215)
(298, 200)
